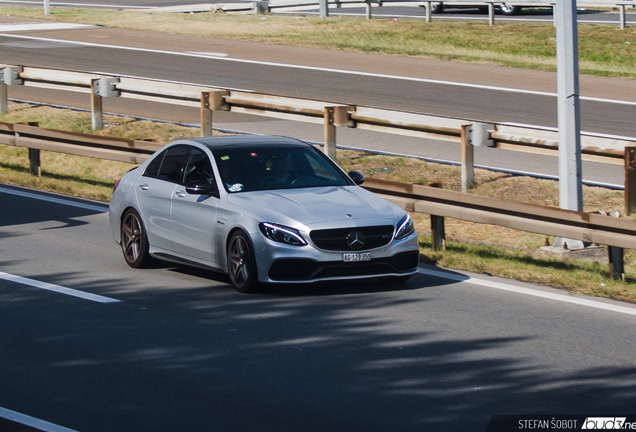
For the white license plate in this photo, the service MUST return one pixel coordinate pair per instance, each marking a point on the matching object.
(348, 257)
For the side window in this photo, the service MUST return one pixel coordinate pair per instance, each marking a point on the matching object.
(199, 168)
(173, 163)
(152, 170)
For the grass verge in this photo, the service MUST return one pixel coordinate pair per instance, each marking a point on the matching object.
(604, 50)
(479, 248)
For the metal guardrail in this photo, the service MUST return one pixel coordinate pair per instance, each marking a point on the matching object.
(109, 148)
(593, 228)
(588, 227)
(439, 203)
(467, 133)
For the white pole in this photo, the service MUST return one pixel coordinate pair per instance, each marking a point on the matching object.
(569, 121)
(47, 7)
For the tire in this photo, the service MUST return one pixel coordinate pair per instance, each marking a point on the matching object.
(509, 10)
(241, 263)
(134, 241)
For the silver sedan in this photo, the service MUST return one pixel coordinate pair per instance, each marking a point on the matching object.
(262, 210)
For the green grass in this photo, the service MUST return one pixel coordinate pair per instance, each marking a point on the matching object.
(604, 50)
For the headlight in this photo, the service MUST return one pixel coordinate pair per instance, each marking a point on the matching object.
(404, 227)
(282, 234)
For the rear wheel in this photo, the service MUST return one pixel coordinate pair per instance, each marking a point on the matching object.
(134, 241)
(241, 263)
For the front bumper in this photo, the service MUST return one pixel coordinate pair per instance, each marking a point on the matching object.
(307, 270)
(292, 264)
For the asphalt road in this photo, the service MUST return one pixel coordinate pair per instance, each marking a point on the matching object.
(180, 350)
(173, 348)
(478, 92)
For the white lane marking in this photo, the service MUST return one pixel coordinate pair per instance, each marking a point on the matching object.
(532, 292)
(314, 68)
(208, 54)
(56, 288)
(32, 421)
(41, 26)
(56, 200)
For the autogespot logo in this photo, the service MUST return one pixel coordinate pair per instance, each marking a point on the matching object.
(605, 423)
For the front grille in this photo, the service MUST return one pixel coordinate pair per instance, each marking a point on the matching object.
(307, 270)
(336, 239)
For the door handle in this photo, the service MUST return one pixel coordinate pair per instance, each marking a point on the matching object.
(180, 194)
(144, 187)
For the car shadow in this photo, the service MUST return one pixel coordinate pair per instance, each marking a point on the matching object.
(26, 206)
(328, 288)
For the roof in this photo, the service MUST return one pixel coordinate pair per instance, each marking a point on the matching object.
(238, 141)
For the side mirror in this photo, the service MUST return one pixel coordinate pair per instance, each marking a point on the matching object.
(357, 177)
(201, 187)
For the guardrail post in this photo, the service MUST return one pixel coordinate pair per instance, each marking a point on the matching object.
(438, 234)
(8, 76)
(206, 115)
(554, 14)
(260, 7)
(428, 11)
(621, 8)
(211, 101)
(630, 179)
(330, 133)
(4, 99)
(34, 162)
(324, 8)
(468, 160)
(491, 14)
(97, 122)
(616, 262)
(101, 87)
(34, 154)
(368, 9)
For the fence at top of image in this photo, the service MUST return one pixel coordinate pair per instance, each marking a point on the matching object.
(264, 6)
(468, 133)
(588, 227)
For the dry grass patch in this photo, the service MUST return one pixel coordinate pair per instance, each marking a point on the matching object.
(76, 175)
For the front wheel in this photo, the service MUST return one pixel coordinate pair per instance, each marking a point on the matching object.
(507, 9)
(134, 241)
(241, 263)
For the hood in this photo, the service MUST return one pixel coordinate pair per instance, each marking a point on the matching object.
(317, 205)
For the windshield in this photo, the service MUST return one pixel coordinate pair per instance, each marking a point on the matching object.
(275, 167)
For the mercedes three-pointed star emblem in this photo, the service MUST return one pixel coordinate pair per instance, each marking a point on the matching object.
(355, 240)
